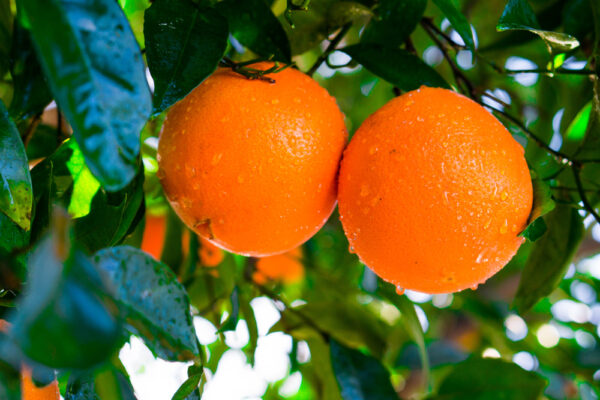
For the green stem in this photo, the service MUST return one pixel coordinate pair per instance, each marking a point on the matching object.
(330, 49)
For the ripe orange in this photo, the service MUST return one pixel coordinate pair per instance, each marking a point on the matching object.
(29, 391)
(210, 255)
(154, 235)
(252, 165)
(286, 268)
(433, 192)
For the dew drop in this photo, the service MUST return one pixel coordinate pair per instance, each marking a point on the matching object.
(373, 150)
(351, 249)
(487, 224)
(474, 287)
(364, 190)
(216, 158)
(504, 196)
(400, 290)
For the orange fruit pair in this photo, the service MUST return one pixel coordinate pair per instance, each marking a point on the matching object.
(433, 190)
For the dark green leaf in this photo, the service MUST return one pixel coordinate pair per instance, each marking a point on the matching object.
(43, 143)
(191, 383)
(16, 195)
(97, 77)
(65, 319)
(399, 67)
(111, 216)
(108, 383)
(542, 205)
(578, 18)
(457, 20)
(31, 93)
(184, 43)
(254, 25)
(360, 377)
(103, 218)
(10, 382)
(233, 318)
(490, 379)
(550, 257)
(394, 22)
(518, 15)
(6, 21)
(155, 304)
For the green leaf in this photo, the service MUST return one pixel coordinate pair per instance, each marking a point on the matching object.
(254, 25)
(31, 93)
(233, 318)
(394, 22)
(550, 257)
(399, 67)
(359, 376)
(250, 319)
(490, 379)
(542, 205)
(348, 322)
(518, 15)
(457, 20)
(108, 383)
(590, 147)
(6, 22)
(191, 383)
(343, 12)
(103, 218)
(153, 302)
(16, 195)
(10, 382)
(65, 318)
(311, 26)
(97, 77)
(577, 128)
(184, 44)
(410, 321)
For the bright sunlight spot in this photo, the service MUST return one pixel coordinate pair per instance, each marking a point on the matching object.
(548, 335)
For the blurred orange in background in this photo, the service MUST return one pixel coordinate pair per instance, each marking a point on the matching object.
(286, 268)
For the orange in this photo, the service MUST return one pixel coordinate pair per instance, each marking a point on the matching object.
(154, 235)
(252, 165)
(285, 268)
(29, 391)
(210, 255)
(433, 192)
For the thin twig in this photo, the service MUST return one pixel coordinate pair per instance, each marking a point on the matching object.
(35, 121)
(459, 76)
(559, 156)
(330, 49)
(561, 71)
(576, 170)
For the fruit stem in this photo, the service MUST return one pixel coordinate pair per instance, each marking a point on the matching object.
(253, 73)
(330, 49)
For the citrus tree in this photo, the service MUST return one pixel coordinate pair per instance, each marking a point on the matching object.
(167, 165)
